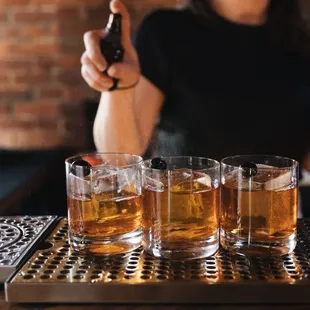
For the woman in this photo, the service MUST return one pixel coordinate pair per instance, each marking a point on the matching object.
(217, 78)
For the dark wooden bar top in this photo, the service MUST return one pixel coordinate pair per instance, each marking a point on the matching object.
(9, 306)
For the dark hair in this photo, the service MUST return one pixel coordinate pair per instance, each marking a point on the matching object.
(287, 25)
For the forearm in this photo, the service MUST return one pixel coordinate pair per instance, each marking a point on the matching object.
(115, 127)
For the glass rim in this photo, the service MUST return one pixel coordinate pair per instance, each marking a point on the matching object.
(70, 160)
(216, 163)
(294, 163)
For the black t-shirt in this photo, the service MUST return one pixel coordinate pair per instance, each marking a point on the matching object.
(227, 89)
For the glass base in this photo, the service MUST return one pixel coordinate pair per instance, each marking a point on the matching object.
(241, 245)
(106, 245)
(183, 250)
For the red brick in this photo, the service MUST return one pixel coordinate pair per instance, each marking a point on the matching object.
(39, 138)
(78, 94)
(32, 134)
(7, 140)
(25, 17)
(4, 110)
(12, 33)
(15, 64)
(42, 57)
(68, 13)
(26, 124)
(3, 16)
(35, 30)
(6, 3)
(36, 138)
(42, 49)
(11, 123)
(58, 2)
(32, 79)
(45, 2)
(50, 93)
(63, 29)
(39, 109)
(71, 48)
(98, 15)
(4, 79)
(8, 50)
(8, 91)
(90, 3)
(72, 78)
(46, 63)
(151, 3)
(70, 61)
(4, 49)
(46, 7)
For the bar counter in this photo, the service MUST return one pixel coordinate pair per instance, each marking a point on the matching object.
(9, 306)
(286, 278)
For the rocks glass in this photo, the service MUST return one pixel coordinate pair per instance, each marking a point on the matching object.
(181, 203)
(104, 202)
(259, 198)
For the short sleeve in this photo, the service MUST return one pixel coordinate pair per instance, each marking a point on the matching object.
(152, 50)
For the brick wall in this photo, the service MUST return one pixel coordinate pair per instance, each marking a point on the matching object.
(41, 89)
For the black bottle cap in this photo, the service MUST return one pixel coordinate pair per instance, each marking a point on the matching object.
(249, 169)
(115, 23)
(158, 163)
(80, 167)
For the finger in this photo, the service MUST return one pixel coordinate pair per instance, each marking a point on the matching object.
(117, 6)
(124, 71)
(92, 46)
(90, 81)
(98, 76)
(101, 85)
(84, 58)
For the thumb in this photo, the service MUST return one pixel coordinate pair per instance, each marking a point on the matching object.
(117, 6)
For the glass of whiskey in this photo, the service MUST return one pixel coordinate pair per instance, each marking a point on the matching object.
(181, 207)
(259, 199)
(104, 202)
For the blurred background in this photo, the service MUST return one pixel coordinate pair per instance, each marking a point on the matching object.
(41, 89)
(46, 108)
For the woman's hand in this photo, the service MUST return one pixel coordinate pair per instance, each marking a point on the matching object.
(94, 64)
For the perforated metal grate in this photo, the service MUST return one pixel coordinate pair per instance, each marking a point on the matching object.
(61, 275)
(17, 236)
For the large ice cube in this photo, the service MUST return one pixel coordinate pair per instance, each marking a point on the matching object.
(268, 177)
(187, 180)
(154, 183)
(274, 178)
(79, 188)
(104, 180)
(179, 176)
(127, 180)
(279, 179)
(202, 178)
(280, 182)
(236, 179)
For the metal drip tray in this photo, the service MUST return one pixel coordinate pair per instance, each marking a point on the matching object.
(17, 236)
(60, 275)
